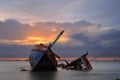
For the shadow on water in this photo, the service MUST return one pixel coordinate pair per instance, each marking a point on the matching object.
(43, 75)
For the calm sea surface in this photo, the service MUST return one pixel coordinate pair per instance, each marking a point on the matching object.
(102, 70)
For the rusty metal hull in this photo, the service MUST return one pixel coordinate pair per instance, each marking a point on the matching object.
(42, 61)
(81, 63)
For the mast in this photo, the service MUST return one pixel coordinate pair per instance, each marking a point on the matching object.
(52, 44)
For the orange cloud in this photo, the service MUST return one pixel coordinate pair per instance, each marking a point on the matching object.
(45, 39)
(27, 34)
(30, 40)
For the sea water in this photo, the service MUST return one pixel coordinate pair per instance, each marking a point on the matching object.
(102, 70)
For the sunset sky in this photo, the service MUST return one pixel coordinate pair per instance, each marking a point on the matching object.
(89, 25)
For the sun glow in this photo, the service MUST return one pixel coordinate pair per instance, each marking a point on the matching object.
(45, 40)
(37, 40)
(31, 40)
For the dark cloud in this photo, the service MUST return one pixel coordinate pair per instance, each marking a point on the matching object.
(69, 51)
(106, 44)
(12, 29)
(10, 50)
(111, 35)
(80, 33)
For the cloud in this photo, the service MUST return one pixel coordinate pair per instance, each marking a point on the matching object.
(11, 50)
(105, 12)
(49, 10)
(106, 44)
(79, 37)
(12, 29)
(13, 32)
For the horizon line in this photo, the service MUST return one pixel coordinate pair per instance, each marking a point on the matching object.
(63, 58)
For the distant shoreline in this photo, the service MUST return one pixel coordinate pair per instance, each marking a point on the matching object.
(66, 58)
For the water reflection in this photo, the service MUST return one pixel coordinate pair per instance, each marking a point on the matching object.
(43, 75)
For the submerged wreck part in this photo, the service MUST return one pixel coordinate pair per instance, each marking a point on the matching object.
(86, 62)
(81, 63)
(42, 58)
